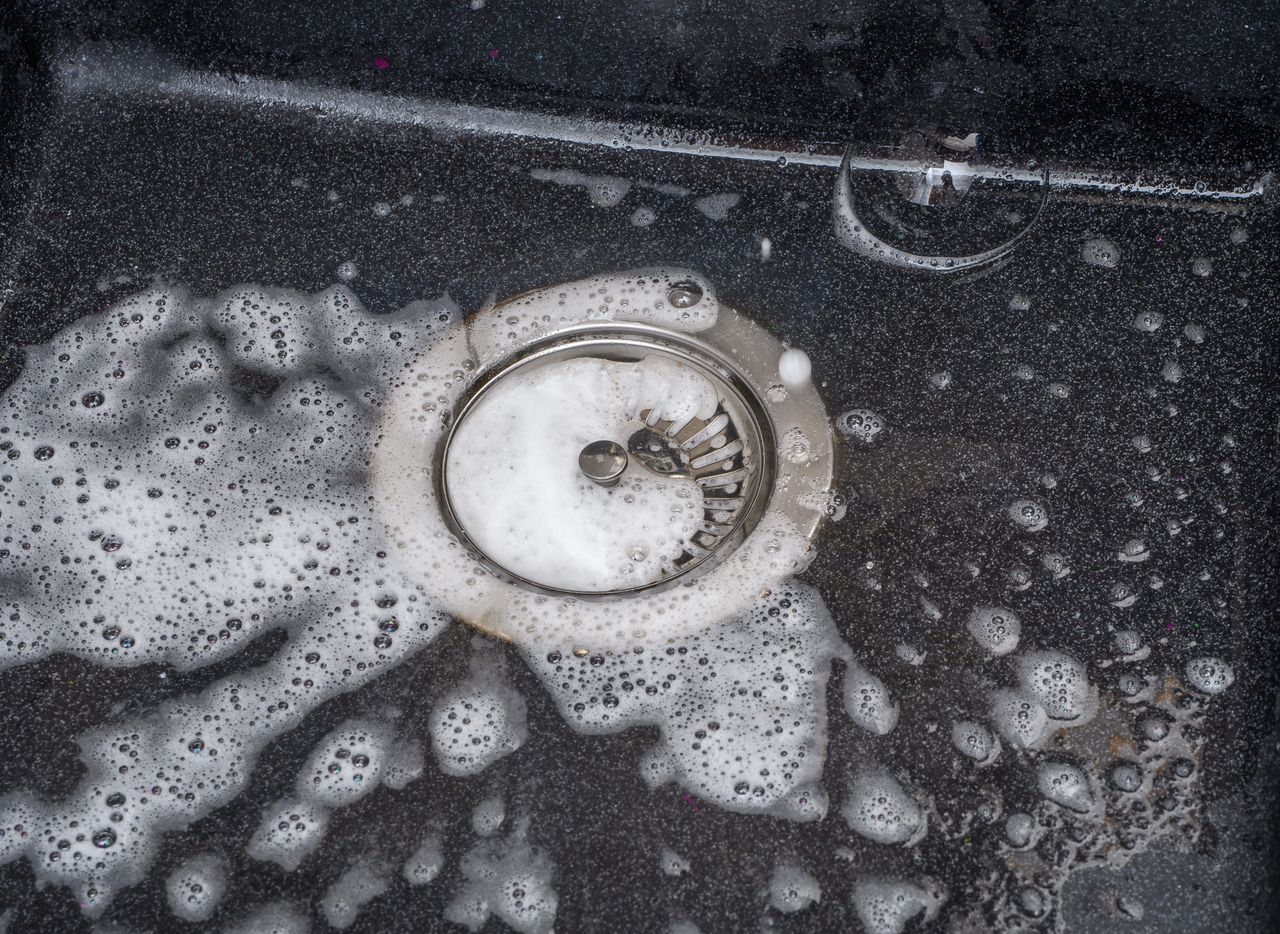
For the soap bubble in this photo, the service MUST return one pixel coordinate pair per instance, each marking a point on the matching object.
(975, 741)
(879, 809)
(1066, 785)
(1125, 776)
(995, 629)
(195, 888)
(1148, 321)
(1018, 829)
(791, 889)
(1209, 675)
(794, 368)
(1059, 682)
(1029, 515)
(860, 424)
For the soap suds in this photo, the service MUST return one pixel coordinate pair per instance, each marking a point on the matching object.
(202, 469)
(717, 207)
(480, 720)
(508, 878)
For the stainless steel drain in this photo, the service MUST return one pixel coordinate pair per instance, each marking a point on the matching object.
(728, 455)
(627, 437)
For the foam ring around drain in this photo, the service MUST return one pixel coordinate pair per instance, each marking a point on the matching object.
(674, 309)
(699, 475)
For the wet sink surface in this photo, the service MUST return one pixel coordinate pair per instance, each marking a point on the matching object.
(1091, 447)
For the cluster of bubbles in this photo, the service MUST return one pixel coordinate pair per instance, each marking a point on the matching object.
(1065, 784)
(740, 707)
(183, 474)
(887, 906)
(995, 629)
(362, 882)
(196, 887)
(879, 808)
(508, 878)
(792, 888)
(426, 861)
(867, 700)
(1029, 515)
(480, 720)
(345, 767)
(1059, 683)
(1100, 252)
(861, 425)
(488, 816)
(975, 741)
(197, 472)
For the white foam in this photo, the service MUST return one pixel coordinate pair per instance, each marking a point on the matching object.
(605, 191)
(867, 700)
(1028, 514)
(427, 860)
(289, 832)
(683, 927)
(1019, 828)
(886, 906)
(1129, 644)
(1125, 776)
(1019, 718)
(975, 741)
(754, 751)
(347, 764)
(343, 901)
(1066, 785)
(1147, 322)
(344, 767)
(403, 476)
(1060, 683)
(196, 886)
(1209, 675)
(273, 918)
(480, 720)
(878, 808)
(861, 424)
(518, 492)
(488, 815)
(643, 216)
(507, 878)
(717, 207)
(792, 889)
(209, 481)
(404, 763)
(672, 863)
(1100, 252)
(995, 629)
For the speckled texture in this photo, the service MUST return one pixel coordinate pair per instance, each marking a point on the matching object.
(212, 195)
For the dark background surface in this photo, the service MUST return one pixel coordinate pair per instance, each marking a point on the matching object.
(104, 191)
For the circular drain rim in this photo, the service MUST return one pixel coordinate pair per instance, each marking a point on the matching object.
(627, 341)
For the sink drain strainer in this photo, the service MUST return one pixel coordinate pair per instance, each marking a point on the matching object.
(665, 490)
(627, 438)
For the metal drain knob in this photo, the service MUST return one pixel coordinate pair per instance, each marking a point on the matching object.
(603, 462)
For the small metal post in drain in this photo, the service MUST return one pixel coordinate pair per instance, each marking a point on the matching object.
(603, 462)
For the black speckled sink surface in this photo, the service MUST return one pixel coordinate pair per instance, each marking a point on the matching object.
(1041, 643)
